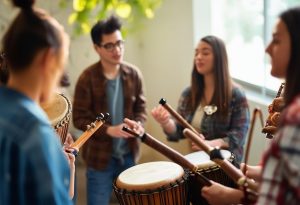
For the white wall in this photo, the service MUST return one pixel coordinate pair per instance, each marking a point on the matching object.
(259, 141)
(167, 53)
(163, 50)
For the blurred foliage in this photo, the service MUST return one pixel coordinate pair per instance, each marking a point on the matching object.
(85, 13)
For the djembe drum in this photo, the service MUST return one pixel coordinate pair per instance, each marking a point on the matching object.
(152, 183)
(209, 169)
(59, 113)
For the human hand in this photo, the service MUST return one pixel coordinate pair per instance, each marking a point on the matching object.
(253, 172)
(117, 131)
(68, 151)
(195, 147)
(218, 194)
(161, 115)
(136, 126)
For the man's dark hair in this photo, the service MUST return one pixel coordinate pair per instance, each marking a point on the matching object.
(106, 26)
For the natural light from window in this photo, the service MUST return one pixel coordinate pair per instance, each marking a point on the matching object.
(246, 27)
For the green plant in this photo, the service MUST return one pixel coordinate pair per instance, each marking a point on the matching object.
(85, 13)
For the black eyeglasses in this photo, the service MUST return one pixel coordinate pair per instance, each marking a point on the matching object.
(111, 46)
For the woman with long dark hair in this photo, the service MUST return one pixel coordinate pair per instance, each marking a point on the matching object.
(280, 177)
(281, 162)
(213, 103)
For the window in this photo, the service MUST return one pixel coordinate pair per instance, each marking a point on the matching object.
(246, 27)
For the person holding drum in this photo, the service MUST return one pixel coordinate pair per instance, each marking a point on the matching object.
(279, 180)
(33, 167)
(68, 139)
(213, 103)
(113, 86)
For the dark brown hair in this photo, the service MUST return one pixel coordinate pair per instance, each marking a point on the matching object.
(106, 26)
(222, 93)
(291, 18)
(30, 32)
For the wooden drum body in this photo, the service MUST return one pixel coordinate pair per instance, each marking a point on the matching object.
(209, 169)
(59, 113)
(152, 183)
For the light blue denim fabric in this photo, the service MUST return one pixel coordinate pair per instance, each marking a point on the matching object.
(33, 168)
(99, 183)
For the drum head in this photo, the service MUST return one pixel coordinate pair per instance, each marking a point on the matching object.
(202, 160)
(56, 109)
(151, 175)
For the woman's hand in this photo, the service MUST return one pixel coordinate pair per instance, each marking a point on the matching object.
(253, 172)
(161, 115)
(68, 151)
(218, 194)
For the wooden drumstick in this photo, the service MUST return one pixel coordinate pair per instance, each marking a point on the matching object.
(251, 196)
(233, 172)
(170, 153)
(177, 116)
(256, 112)
(91, 129)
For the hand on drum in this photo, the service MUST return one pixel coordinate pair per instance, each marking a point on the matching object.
(219, 194)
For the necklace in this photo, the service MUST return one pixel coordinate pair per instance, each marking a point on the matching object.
(210, 109)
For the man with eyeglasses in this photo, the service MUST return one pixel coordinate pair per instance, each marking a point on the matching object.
(109, 85)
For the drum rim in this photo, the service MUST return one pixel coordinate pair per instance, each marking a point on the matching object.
(213, 165)
(66, 118)
(123, 180)
(181, 181)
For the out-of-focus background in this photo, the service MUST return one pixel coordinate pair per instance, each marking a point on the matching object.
(163, 48)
